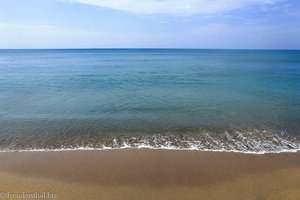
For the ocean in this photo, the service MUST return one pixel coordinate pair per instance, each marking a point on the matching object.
(189, 99)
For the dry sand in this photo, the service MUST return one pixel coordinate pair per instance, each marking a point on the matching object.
(151, 174)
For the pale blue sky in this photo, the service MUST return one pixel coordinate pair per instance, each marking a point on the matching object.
(255, 24)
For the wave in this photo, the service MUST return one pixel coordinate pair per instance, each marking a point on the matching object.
(250, 141)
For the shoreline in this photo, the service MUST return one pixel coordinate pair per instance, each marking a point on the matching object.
(152, 174)
(153, 148)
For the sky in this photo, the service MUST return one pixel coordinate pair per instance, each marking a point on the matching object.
(222, 24)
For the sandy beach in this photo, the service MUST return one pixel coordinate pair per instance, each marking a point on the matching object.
(150, 174)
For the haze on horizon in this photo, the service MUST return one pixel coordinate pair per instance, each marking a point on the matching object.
(226, 24)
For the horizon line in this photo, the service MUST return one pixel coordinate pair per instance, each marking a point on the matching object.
(150, 48)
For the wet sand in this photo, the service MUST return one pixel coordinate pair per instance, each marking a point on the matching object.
(151, 174)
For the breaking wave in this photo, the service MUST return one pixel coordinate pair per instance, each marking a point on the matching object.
(249, 141)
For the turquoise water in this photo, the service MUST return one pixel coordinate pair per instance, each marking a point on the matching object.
(242, 100)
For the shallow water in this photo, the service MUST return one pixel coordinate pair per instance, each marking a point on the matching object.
(243, 100)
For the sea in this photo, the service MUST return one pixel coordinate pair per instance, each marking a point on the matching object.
(181, 99)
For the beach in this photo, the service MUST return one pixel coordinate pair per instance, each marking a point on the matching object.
(150, 174)
(150, 100)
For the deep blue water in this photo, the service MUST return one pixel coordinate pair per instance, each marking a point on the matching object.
(181, 98)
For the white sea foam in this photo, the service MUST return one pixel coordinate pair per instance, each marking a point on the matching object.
(151, 148)
(209, 144)
(246, 141)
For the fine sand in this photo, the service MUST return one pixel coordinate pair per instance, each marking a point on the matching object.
(151, 174)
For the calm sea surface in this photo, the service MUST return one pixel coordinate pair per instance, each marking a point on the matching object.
(241, 100)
